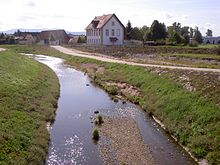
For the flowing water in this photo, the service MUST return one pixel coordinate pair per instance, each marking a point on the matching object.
(71, 133)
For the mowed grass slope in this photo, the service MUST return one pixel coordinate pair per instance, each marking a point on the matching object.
(28, 97)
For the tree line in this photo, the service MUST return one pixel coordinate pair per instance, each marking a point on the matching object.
(162, 34)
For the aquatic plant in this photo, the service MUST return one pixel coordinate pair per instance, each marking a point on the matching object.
(95, 134)
(100, 119)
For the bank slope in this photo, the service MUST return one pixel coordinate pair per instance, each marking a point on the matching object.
(28, 99)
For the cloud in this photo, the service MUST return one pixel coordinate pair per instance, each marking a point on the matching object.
(64, 16)
(25, 18)
(209, 25)
(185, 17)
(168, 15)
(31, 4)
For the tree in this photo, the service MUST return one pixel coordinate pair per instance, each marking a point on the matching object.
(2, 36)
(197, 35)
(145, 31)
(128, 30)
(158, 30)
(191, 32)
(177, 38)
(18, 33)
(170, 34)
(209, 33)
(177, 27)
(81, 39)
(136, 34)
(185, 34)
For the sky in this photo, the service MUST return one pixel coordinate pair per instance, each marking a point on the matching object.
(75, 15)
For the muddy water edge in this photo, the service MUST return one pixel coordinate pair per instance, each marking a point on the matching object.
(71, 133)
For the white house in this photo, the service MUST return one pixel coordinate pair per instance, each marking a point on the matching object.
(105, 30)
(211, 40)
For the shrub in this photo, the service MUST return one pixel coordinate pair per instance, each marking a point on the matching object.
(217, 48)
(161, 42)
(112, 90)
(193, 43)
(213, 158)
(95, 134)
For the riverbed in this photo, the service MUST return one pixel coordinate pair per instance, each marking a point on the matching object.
(71, 133)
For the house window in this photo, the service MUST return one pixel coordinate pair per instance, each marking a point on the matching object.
(107, 32)
(113, 32)
(118, 32)
(113, 23)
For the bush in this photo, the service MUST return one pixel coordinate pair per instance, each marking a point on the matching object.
(111, 90)
(213, 158)
(95, 134)
(217, 48)
(193, 43)
(161, 42)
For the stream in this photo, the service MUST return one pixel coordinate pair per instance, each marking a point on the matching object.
(71, 133)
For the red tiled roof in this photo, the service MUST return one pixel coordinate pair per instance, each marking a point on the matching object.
(99, 21)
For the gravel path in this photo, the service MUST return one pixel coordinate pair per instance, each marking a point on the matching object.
(105, 58)
(123, 142)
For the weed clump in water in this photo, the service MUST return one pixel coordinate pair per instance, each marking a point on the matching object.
(99, 120)
(95, 134)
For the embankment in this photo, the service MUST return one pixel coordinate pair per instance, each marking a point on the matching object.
(28, 99)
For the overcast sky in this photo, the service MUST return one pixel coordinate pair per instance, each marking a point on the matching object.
(75, 15)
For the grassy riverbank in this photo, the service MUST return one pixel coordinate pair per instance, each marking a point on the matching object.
(28, 97)
(191, 116)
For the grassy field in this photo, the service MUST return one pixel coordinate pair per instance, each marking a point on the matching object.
(28, 98)
(192, 117)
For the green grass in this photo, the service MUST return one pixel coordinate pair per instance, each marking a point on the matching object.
(207, 46)
(33, 49)
(193, 119)
(28, 96)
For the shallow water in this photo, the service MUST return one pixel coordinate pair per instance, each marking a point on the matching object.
(71, 141)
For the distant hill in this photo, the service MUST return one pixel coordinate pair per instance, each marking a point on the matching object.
(23, 30)
(38, 30)
(76, 33)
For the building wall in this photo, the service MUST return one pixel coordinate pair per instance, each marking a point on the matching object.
(93, 36)
(57, 42)
(211, 40)
(118, 32)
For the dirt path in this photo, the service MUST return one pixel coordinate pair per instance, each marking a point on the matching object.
(105, 58)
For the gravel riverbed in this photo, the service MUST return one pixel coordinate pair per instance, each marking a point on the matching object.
(123, 142)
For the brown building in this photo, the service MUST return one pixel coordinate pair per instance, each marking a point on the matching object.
(53, 37)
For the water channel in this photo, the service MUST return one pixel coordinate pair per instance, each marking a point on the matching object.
(70, 134)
